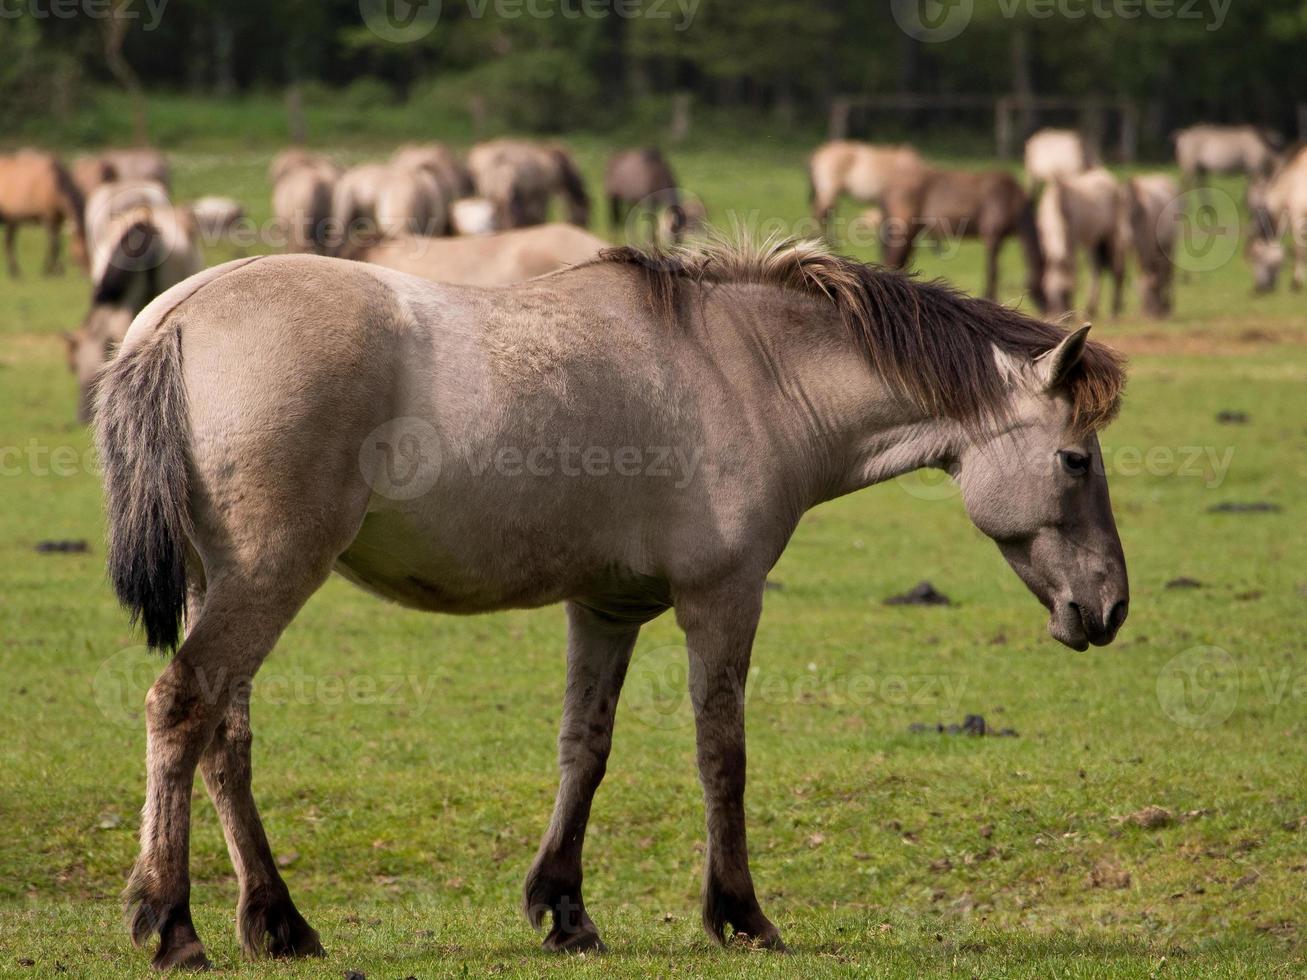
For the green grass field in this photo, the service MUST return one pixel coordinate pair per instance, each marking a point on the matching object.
(405, 763)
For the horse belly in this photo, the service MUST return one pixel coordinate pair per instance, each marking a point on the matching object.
(453, 567)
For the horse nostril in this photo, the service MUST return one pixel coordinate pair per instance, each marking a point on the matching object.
(1117, 615)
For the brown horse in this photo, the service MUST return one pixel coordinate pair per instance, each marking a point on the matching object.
(637, 434)
(951, 204)
(485, 260)
(522, 178)
(36, 189)
(92, 170)
(642, 179)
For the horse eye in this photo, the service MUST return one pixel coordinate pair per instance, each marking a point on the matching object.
(1077, 464)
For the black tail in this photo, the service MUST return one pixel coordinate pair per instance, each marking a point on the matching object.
(142, 438)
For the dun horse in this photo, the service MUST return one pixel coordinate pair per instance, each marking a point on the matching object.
(1154, 228)
(485, 260)
(952, 204)
(522, 177)
(36, 189)
(862, 171)
(1084, 211)
(144, 251)
(1205, 149)
(247, 428)
(302, 187)
(1278, 206)
(641, 180)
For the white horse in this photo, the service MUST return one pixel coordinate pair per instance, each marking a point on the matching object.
(1279, 205)
(1053, 153)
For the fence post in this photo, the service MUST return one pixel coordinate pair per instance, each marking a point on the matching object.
(1003, 126)
(838, 127)
(1129, 132)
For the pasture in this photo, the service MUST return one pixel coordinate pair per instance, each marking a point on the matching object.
(405, 764)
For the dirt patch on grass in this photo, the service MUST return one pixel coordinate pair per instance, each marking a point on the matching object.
(1231, 339)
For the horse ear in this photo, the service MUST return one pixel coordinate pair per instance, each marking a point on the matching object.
(1054, 365)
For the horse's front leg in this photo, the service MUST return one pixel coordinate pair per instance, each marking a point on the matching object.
(598, 652)
(719, 628)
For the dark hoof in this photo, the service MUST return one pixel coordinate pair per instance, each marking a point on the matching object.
(274, 928)
(585, 940)
(742, 914)
(187, 956)
(769, 939)
(179, 946)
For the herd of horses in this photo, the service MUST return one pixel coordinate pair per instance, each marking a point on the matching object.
(1071, 205)
(248, 416)
(483, 218)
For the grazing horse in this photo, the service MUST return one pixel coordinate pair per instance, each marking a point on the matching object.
(139, 164)
(143, 251)
(522, 177)
(1053, 153)
(442, 163)
(217, 217)
(36, 189)
(1154, 228)
(110, 201)
(642, 178)
(951, 204)
(1206, 149)
(485, 260)
(297, 158)
(861, 170)
(412, 201)
(276, 418)
(302, 189)
(1083, 211)
(1279, 205)
(90, 171)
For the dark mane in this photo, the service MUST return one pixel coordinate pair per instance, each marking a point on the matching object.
(932, 344)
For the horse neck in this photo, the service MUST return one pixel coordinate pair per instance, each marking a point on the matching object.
(832, 418)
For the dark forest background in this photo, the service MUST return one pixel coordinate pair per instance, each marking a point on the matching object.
(774, 63)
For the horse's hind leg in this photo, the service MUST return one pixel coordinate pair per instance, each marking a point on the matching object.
(244, 611)
(53, 265)
(268, 922)
(598, 651)
(11, 249)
